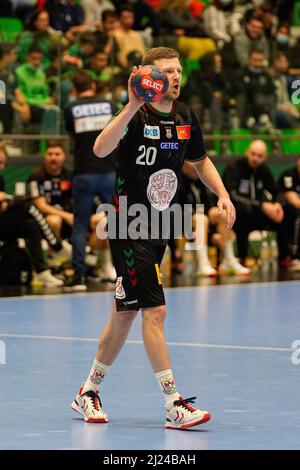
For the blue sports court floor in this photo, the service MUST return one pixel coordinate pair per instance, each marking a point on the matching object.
(231, 346)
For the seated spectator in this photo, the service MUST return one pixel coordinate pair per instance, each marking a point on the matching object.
(257, 90)
(221, 21)
(33, 87)
(216, 92)
(286, 113)
(254, 194)
(38, 31)
(16, 222)
(180, 30)
(289, 185)
(8, 57)
(127, 39)
(64, 14)
(193, 191)
(250, 37)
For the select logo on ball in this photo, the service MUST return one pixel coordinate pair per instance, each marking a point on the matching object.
(149, 83)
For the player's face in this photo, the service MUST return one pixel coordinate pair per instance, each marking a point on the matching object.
(173, 70)
(54, 159)
(256, 155)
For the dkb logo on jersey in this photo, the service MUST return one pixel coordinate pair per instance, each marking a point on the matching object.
(151, 132)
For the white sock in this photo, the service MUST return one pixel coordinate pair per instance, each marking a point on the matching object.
(167, 385)
(228, 250)
(202, 254)
(96, 376)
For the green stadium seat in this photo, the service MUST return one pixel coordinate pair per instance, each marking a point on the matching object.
(238, 147)
(290, 147)
(10, 28)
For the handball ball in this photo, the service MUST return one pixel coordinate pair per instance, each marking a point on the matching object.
(149, 83)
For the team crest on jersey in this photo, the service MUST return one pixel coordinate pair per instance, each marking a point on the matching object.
(151, 132)
(169, 134)
(162, 188)
(120, 292)
(183, 132)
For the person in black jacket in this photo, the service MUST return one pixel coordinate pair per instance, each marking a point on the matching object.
(255, 196)
(289, 185)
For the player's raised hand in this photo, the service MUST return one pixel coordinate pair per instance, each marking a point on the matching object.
(133, 99)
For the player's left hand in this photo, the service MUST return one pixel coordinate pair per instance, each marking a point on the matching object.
(224, 203)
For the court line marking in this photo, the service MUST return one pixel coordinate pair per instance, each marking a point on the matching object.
(170, 343)
(88, 294)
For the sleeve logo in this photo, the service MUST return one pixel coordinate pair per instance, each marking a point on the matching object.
(183, 132)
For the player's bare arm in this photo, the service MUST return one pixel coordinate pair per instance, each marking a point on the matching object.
(110, 137)
(208, 173)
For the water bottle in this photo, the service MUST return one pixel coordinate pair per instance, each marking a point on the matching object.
(274, 254)
(264, 256)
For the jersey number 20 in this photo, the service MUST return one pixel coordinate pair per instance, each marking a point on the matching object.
(147, 156)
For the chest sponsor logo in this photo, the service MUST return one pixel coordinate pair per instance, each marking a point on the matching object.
(162, 188)
(169, 145)
(183, 132)
(151, 132)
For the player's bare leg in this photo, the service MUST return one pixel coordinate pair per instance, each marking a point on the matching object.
(180, 415)
(114, 335)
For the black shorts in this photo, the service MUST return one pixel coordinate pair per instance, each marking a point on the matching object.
(139, 283)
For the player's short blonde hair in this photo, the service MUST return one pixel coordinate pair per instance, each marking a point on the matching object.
(157, 53)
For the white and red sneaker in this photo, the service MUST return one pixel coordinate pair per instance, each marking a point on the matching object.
(89, 405)
(180, 415)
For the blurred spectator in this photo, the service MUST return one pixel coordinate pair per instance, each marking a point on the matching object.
(127, 39)
(257, 92)
(33, 86)
(93, 177)
(286, 113)
(289, 184)
(64, 14)
(51, 189)
(250, 37)
(288, 45)
(8, 56)
(216, 92)
(99, 69)
(181, 31)
(16, 222)
(38, 31)
(93, 9)
(84, 48)
(221, 21)
(254, 194)
(210, 226)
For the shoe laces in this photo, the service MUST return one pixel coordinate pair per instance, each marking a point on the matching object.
(94, 396)
(184, 403)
